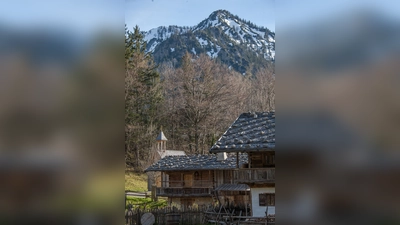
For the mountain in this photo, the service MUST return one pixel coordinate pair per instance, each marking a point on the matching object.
(239, 44)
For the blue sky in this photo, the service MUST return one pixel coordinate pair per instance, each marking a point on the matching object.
(148, 14)
(309, 12)
(90, 15)
(80, 16)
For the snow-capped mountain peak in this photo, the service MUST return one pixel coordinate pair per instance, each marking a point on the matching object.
(218, 18)
(221, 35)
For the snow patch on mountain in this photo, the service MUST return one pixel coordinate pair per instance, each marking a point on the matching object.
(202, 41)
(270, 39)
(157, 35)
(152, 46)
(257, 39)
(214, 54)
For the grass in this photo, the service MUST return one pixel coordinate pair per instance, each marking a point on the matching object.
(135, 182)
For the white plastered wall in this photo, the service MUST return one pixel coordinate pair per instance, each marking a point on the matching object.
(257, 210)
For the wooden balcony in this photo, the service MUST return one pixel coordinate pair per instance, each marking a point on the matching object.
(185, 188)
(187, 183)
(254, 175)
(184, 192)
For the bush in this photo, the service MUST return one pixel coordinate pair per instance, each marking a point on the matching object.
(144, 203)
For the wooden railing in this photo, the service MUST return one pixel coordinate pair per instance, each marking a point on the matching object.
(187, 183)
(182, 192)
(254, 175)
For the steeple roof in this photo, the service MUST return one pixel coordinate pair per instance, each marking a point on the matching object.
(161, 137)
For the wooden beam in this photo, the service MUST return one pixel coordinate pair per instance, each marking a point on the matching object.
(237, 159)
(211, 178)
(162, 180)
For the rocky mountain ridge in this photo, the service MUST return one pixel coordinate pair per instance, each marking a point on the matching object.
(241, 45)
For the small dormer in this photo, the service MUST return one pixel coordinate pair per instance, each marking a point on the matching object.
(161, 142)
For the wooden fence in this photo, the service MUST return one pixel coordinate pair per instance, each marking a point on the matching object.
(204, 214)
(167, 216)
(193, 216)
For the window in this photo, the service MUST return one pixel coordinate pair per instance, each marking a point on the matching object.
(269, 159)
(196, 176)
(267, 199)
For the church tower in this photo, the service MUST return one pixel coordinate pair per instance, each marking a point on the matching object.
(161, 142)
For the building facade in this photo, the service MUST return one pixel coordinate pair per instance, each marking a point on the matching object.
(253, 134)
(192, 180)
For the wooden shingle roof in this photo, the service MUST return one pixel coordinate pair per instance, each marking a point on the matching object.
(196, 162)
(170, 153)
(233, 187)
(250, 132)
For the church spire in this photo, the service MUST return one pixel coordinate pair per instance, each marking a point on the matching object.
(161, 142)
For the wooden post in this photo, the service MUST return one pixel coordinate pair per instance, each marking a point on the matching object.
(162, 179)
(246, 202)
(210, 178)
(237, 159)
(153, 193)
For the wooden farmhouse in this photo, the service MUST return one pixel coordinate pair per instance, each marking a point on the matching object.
(191, 180)
(254, 134)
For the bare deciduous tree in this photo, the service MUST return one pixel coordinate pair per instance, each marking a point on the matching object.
(262, 91)
(201, 94)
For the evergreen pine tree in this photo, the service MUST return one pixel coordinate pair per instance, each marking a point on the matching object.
(142, 98)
